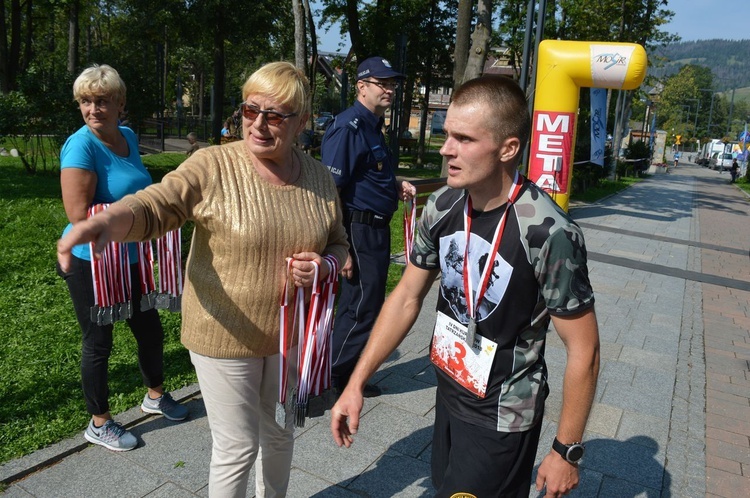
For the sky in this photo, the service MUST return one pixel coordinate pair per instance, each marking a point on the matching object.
(693, 20)
(709, 19)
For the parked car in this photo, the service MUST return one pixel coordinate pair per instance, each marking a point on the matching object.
(322, 121)
(721, 161)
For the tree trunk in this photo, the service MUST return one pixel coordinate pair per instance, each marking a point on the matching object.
(300, 38)
(480, 41)
(201, 93)
(461, 51)
(4, 83)
(355, 36)
(470, 64)
(28, 40)
(218, 90)
(12, 56)
(313, 55)
(425, 104)
(73, 37)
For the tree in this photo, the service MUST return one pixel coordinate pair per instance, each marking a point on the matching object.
(73, 36)
(463, 35)
(300, 35)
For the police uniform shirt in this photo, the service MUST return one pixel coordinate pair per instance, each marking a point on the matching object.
(355, 152)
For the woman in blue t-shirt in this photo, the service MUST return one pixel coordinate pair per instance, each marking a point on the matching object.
(99, 164)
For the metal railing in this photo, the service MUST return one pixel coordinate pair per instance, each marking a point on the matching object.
(153, 132)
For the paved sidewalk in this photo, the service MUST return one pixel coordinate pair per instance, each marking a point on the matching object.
(669, 264)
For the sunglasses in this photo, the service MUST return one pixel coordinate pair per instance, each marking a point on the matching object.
(273, 118)
(383, 86)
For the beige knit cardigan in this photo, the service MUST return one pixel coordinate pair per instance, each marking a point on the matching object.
(245, 227)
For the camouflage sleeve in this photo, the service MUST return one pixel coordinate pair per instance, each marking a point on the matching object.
(562, 272)
(424, 253)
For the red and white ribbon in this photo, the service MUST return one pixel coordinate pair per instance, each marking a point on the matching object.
(169, 253)
(146, 267)
(110, 271)
(410, 221)
(313, 324)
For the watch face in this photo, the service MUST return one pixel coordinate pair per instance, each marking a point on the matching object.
(575, 453)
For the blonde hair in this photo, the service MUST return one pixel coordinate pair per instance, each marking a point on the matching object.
(99, 81)
(283, 82)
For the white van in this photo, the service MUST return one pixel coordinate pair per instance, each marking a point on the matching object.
(721, 161)
(715, 146)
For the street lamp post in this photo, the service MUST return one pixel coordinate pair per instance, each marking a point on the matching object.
(711, 109)
(695, 125)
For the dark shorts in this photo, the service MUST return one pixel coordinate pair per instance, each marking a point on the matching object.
(472, 460)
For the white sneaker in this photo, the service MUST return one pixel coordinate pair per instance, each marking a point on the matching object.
(111, 435)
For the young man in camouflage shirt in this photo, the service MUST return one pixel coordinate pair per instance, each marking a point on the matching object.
(488, 349)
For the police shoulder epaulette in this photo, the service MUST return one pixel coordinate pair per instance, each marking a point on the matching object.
(353, 124)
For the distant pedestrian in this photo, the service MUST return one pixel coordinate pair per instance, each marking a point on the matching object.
(192, 139)
(734, 171)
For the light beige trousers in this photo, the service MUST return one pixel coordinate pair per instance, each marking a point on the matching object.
(240, 397)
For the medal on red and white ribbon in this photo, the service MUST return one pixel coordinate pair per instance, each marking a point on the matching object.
(410, 220)
(474, 298)
(169, 254)
(146, 272)
(313, 325)
(110, 273)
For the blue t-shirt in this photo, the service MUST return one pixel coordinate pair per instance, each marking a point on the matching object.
(354, 150)
(116, 176)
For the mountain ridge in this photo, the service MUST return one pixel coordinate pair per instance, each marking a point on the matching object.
(729, 61)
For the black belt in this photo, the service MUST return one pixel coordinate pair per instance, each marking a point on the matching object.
(368, 218)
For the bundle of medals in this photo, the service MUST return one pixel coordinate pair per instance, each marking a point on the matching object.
(111, 275)
(313, 325)
(410, 220)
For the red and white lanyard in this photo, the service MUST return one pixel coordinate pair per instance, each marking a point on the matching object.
(314, 336)
(146, 271)
(473, 300)
(169, 253)
(410, 220)
(110, 273)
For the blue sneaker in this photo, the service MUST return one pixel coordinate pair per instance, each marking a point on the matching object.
(111, 435)
(164, 405)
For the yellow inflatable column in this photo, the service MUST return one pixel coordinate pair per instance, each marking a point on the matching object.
(563, 68)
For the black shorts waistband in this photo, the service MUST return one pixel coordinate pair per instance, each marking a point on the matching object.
(368, 218)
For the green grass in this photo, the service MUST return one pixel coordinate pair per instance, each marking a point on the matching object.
(40, 358)
(744, 184)
(604, 189)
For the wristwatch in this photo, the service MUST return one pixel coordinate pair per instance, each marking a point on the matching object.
(573, 453)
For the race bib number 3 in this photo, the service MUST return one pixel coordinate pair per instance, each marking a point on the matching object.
(468, 365)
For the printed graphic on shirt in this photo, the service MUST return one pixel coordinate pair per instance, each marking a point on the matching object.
(452, 250)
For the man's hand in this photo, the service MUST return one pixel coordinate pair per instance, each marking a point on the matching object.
(560, 476)
(347, 270)
(408, 191)
(345, 416)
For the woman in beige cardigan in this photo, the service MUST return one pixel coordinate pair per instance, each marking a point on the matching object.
(255, 203)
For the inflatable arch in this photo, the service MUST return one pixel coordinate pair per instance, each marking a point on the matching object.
(563, 67)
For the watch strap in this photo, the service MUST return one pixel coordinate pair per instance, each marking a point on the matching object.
(564, 449)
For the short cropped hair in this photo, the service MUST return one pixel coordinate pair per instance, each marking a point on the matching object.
(100, 81)
(510, 112)
(283, 82)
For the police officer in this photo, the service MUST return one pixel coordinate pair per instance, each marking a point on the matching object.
(354, 150)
